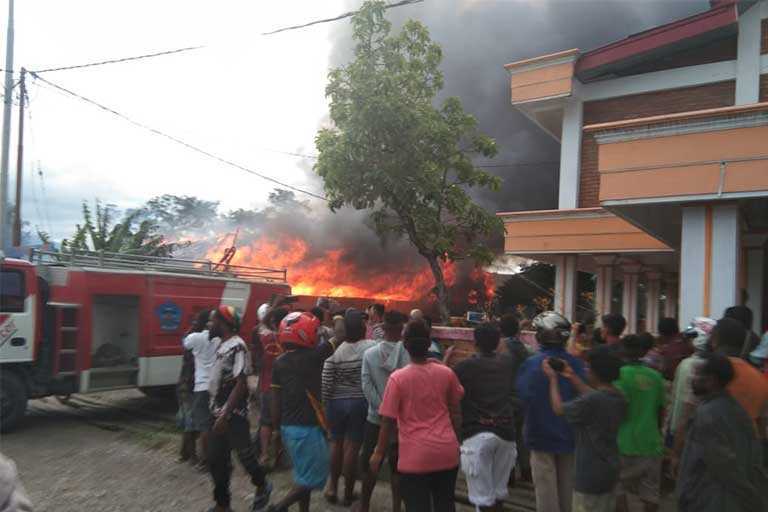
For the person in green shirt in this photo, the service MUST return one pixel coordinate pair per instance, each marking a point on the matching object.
(640, 440)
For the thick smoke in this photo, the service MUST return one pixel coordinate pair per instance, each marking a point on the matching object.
(478, 37)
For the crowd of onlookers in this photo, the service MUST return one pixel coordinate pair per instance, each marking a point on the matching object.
(595, 418)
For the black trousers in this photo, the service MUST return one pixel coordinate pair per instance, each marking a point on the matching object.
(425, 492)
(220, 446)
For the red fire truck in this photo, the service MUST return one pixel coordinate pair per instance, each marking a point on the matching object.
(89, 322)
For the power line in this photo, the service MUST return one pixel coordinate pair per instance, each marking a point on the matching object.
(119, 60)
(112, 61)
(174, 139)
(337, 18)
(199, 47)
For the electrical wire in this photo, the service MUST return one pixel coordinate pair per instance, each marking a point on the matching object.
(174, 139)
(119, 60)
(337, 18)
(199, 47)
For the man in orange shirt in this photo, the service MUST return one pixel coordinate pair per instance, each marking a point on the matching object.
(748, 386)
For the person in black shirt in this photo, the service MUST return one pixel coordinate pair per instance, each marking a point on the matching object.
(488, 450)
(296, 409)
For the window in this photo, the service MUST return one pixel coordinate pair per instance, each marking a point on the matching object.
(12, 291)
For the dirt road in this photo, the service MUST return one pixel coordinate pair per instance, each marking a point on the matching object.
(116, 452)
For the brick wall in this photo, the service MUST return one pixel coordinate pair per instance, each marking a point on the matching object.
(764, 39)
(701, 97)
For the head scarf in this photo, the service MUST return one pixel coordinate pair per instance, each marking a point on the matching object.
(230, 316)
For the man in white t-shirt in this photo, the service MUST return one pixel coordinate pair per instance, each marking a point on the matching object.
(204, 351)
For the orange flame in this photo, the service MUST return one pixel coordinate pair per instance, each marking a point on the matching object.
(489, 286)
(329, 274)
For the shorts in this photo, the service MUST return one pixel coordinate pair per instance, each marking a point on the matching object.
(370, 440)
(487, 461)
(641, 475)
(308, 450)
(346, 418)
(184, 414)
(200, 418)
(593, 502)
(265, 409)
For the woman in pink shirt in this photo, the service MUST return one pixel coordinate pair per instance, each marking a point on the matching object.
(423, 400)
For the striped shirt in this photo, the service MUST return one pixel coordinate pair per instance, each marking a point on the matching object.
(342, 371)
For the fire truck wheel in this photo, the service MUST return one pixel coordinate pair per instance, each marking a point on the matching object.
(13, 400)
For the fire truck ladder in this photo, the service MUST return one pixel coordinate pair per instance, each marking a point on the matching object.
(126, 261)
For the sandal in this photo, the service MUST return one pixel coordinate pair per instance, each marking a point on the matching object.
(348, 500)
(261, 499)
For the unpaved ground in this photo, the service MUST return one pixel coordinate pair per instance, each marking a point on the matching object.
(116, 452)
(121, 457)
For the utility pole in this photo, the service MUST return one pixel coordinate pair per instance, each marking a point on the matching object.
(6, 140)
(19, 162)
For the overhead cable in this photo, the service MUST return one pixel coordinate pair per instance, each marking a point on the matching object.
(116, 61)
(337, 18)
(174, 139)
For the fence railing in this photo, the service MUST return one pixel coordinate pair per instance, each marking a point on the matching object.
(123, 261)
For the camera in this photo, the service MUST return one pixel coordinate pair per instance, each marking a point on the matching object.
(557, 364)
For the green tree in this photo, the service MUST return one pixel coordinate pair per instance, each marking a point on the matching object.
(130, 235)
(180, 213)
(393, 152)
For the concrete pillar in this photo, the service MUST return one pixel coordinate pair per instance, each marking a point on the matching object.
(566, 285)
(726, 259)
(748, 56)
(629, 300)
(603, 284)
(709, 260)
(756, 261)
(570, 154)
(652, 295)
(670, 306)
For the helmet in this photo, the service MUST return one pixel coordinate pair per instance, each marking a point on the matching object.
(699, 330)
(551, 328)
(262, 311)
(299, 328)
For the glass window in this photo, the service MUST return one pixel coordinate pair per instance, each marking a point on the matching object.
(12, 291)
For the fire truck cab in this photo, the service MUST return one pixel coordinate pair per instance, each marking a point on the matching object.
(89, 322)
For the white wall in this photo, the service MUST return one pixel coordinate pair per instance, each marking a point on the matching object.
(692, 250)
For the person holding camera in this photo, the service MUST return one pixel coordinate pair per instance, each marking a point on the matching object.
(596, 416)
(548, 436)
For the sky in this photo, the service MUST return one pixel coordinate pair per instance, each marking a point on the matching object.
(248, 97)
(240, 97)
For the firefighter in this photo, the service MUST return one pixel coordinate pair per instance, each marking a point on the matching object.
(229, 407)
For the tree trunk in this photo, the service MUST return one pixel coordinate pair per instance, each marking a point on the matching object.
(440, 290)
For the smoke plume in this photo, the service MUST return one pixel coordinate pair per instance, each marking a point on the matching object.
(478, 37)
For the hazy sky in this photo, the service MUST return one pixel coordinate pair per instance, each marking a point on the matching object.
(241, 96)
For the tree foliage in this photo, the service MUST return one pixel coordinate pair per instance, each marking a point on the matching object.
(102, 232)
(180, 213)
(392, 151)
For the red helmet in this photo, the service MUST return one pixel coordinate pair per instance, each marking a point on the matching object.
(299, 328)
